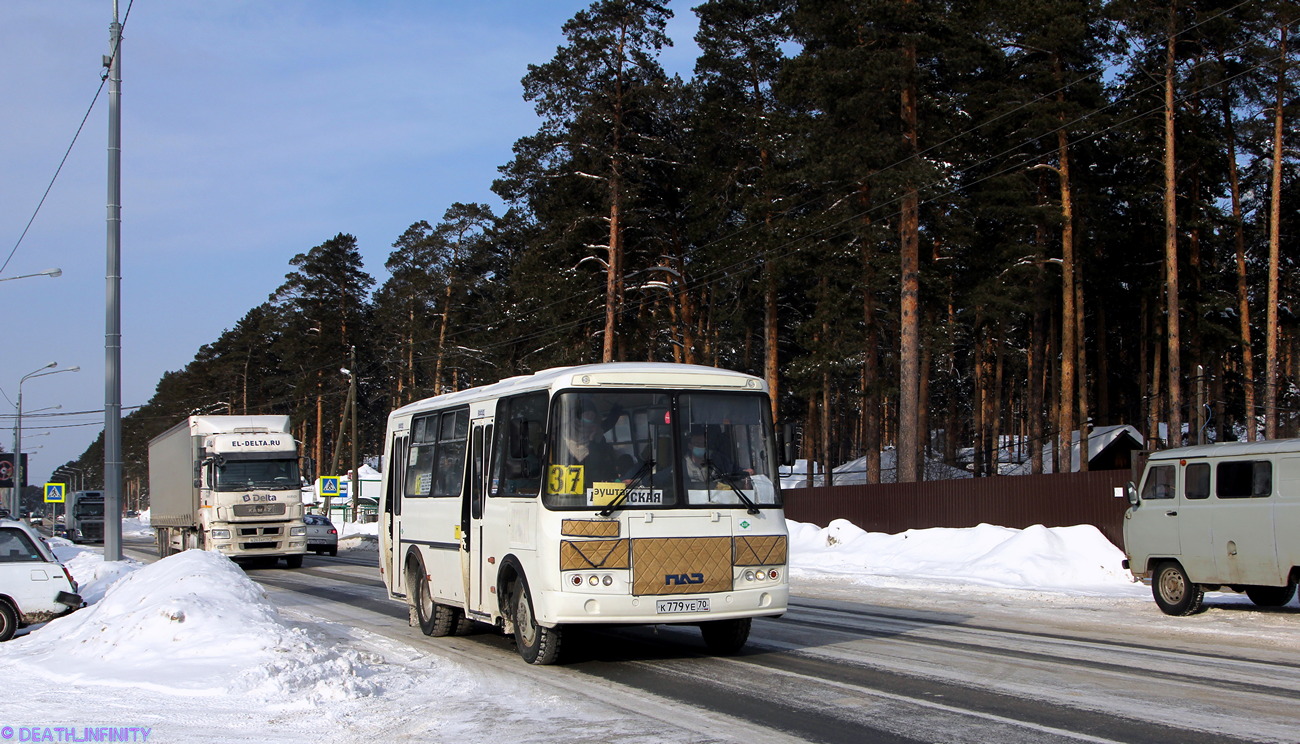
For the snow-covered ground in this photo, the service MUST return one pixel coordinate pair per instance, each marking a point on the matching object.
(190, 649)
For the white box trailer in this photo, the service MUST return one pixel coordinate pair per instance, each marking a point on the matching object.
(1218, 516)
(229, 484)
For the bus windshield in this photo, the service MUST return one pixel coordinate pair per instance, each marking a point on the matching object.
(241, 475)
(656, 450)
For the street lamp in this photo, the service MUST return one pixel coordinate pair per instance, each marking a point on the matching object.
(18, 429)
(47, 272)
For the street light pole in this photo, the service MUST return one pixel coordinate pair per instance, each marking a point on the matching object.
(47, 272)
(18, 431)
(113, 303)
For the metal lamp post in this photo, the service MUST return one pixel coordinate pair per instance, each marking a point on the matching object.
(18, 431)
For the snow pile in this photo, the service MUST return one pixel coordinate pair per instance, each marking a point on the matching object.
(194, 624)
(1073, 560)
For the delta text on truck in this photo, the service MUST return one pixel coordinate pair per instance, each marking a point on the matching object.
(229, 484)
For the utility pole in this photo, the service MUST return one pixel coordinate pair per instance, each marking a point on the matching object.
(113, 302)
(352, 396)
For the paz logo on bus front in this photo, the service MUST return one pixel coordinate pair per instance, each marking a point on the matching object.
(55, 493)
(685, 578)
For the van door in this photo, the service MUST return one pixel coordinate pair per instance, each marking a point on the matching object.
(1244, 545)
(1196, 515)
(1286, 512)
(1151, 527)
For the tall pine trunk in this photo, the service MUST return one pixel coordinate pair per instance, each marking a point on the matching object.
(909, 364)
(1173, 336)
(1274, 248)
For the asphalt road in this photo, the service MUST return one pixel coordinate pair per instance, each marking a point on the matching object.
(844, 670)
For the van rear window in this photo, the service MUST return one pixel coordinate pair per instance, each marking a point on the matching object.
(1243, 479)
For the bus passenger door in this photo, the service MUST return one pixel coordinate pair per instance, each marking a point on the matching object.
(480, 442)
(390, 553)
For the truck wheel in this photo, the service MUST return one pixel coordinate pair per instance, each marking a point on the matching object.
(537, 644)
(1174, 592)
(1270, 596)
(293, 561)
(726, 637)
(164, 542)
(8, 621)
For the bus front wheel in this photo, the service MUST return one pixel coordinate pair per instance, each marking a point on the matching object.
(726, 637)
(536, 643)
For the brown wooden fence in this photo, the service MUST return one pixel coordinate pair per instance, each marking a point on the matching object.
(1011, 501)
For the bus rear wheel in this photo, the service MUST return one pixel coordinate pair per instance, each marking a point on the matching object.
(536, 643)
(726, 637)
(435, 619)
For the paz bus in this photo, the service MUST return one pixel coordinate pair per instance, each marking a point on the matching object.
(623, 493)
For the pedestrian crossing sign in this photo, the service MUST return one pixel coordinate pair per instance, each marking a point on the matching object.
(55, 493)
(328, 485)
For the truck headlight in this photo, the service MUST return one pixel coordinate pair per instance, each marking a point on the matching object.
(296, 531)
(220, 534)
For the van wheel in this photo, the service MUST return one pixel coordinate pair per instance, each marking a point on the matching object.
(1270, 596)
(1174, 592)
(8, 621)
(537, 644)
(726, 637)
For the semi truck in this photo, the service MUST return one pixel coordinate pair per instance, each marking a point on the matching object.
(229, 484)
(84, 520)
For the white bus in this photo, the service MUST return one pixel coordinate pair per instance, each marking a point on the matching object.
(610, 493)
(1217, 516)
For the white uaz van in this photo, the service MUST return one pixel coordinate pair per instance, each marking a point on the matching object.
(1217, 516)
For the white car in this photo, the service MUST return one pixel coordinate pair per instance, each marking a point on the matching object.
(34, 586)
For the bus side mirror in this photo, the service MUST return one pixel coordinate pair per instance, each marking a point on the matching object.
(1132, 492)
(785, 444)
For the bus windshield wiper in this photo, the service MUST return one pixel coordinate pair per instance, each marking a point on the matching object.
(640, 475)
(730, 480)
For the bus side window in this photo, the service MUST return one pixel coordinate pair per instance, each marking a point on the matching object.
(1196, 481)
(517, 451)
(1159, 483)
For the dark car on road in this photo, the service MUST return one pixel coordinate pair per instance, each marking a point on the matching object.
(321, 536)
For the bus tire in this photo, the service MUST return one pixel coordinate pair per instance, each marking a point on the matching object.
(434, 619)
(1271, 596)
(1174, 593)
(537, 644)
(726, 637)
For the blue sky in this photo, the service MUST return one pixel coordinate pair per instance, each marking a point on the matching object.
(252, 130)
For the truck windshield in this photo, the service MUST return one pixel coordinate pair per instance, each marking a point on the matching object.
(659, 450)
(88, 509)
(241, 475)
